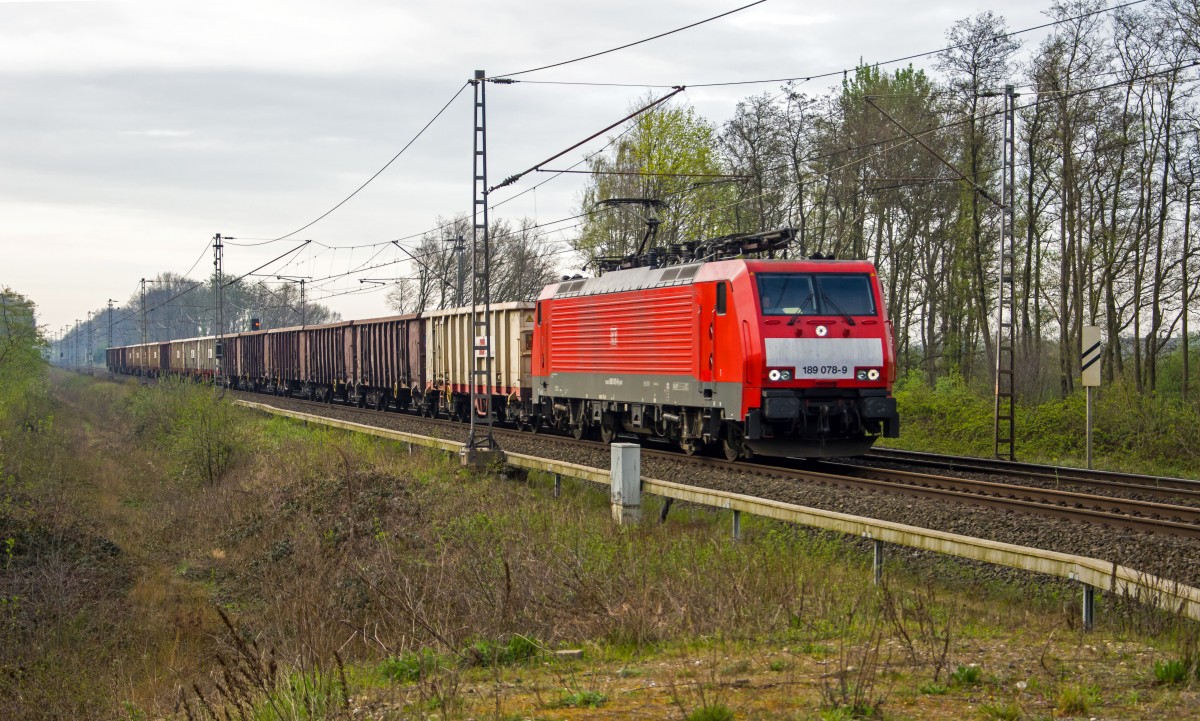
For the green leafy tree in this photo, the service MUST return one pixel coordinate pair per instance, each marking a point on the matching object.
(667, 154)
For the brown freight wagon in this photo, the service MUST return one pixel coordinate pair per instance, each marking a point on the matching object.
(326, 360)
(281, 361)
(177, 354)
(245, 366)
(387, 361)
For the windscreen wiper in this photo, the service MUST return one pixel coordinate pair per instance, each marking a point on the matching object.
(838, 308)
(796, 316)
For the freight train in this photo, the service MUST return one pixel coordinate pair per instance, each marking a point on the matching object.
(738, 356)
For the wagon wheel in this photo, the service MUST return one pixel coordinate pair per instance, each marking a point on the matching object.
(731, 444)
(578, 431)
(381, 402)
(689, 446)
(608, 428)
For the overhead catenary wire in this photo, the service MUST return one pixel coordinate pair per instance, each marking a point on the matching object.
(386, 165)
(264, 265)
(824, 74)
(514, 178)
(629, 45)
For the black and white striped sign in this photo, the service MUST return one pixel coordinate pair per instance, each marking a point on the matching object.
(1092, 346)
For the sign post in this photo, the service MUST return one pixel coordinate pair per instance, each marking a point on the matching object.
(1092, 346)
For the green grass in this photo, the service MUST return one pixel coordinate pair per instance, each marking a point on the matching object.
(581, 699)
(966, 675)
(715, 712)
(409, 667)
(1077, 698)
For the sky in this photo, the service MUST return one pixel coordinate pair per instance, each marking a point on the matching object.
(132, 132)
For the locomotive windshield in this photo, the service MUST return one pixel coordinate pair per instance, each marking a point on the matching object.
(795, 294)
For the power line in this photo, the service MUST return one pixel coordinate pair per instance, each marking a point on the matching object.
(514, 178)
(830, 73)
(385, 166)
(629, 45)
(264, 265)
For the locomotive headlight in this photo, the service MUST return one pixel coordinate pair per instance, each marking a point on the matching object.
(774, 374)
(873, 374)
(860, 375)
(785, 375)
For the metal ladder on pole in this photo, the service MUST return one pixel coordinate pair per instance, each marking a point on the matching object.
(1004, 418)
(481, 446)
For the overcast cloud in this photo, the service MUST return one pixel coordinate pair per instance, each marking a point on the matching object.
(131, 132)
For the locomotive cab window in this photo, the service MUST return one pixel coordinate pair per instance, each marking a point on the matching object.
(798, 294)
(722, 300)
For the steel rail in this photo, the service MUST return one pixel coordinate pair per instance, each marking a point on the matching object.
(1163, 485)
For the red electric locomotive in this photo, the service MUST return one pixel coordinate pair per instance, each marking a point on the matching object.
(769, 357)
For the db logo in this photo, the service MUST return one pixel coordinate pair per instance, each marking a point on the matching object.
(822, 331)
(612, 336)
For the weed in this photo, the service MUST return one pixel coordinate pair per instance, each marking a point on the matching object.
(923, 625)
(968, 675)
(409, 667)
(736, 668)
(933, 688)
(516, 649)
(580, 699)
(716, 712)
(851, 685)
(1077, 698)
(779, 665)
(1003, 711)
(1174, 671)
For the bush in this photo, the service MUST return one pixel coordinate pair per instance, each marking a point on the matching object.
(516, 649)
(581, 699)
(966, 675)
(1171, 672)
(199, 433)
(1077, 699)
(716, 712)
(409, 667)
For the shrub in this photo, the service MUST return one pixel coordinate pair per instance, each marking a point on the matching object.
(581, 699)
(1077, 698)
(1005, 711)
(1171, 672)
(200, 434)
(716, 712)
(966, 675)
(409, 667)
(516, 649)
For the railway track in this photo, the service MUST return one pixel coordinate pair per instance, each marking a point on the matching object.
(1162, 486)
(1101, 510)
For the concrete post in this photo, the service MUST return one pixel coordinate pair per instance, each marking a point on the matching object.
(877, 562)
(557, 485)
(1089, 607)
(626, 497)
(737, 525)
